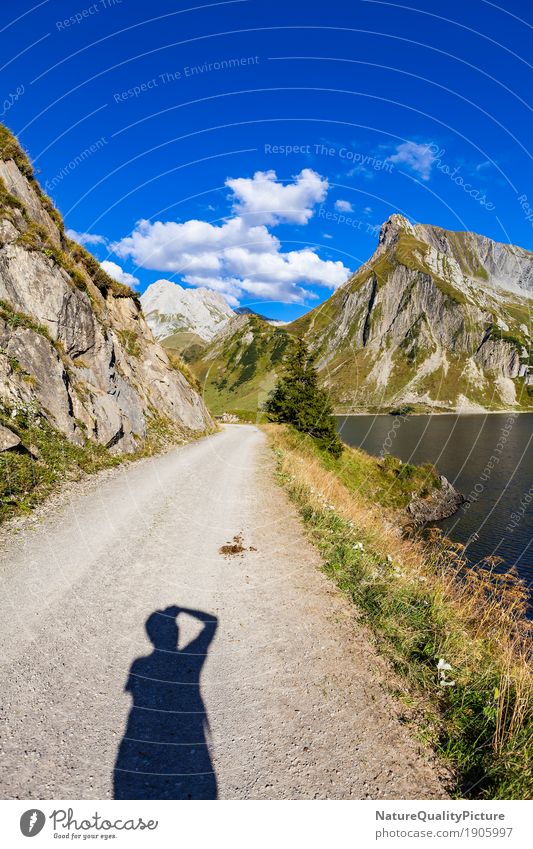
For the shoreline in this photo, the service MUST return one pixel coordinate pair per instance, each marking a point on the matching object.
(435, 413)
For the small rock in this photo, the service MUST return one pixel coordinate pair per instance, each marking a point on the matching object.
(440, 504)
(8, 439)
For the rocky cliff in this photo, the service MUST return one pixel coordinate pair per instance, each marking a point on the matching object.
(74, 344)
(435, 320)
(501, 266)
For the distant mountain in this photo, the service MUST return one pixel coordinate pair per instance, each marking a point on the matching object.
(247, 311)
(435, 319)
(238, 369)
(170, 309)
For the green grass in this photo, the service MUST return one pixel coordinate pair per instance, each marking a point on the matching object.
(35, 238)
(9, 202)
(238, 372)
(46, 459)
(19, 319)
(188, 345)
(177, 362)
(100, 278)
(504, 336)
(27, 477)
(387, 482)
(422, 602)
(130, 342)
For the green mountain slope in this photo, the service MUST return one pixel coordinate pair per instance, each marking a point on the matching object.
(239, 368)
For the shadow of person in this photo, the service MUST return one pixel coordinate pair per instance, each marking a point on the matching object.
(164, 753)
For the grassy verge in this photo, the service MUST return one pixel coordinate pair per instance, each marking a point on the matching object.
(29, 474)
(387, 482)
(425, 604)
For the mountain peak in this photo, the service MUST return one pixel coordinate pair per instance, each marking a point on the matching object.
(392, 227)
(170, 308)
(462, 256)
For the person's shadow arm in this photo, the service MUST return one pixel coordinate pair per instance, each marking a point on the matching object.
(200, 644)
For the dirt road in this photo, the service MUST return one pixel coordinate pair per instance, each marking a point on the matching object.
(273, 691)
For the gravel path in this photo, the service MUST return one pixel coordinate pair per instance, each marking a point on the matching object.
(96, 700)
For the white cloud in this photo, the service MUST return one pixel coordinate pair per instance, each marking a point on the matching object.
(327, 236)
(169, 246)
(367, 210)
(357, 170)
(343, 206)
(230, 258)
(118, 273)
(292, 267)
(85, 238)
(241, 256)
(270, 202)
(417, 157)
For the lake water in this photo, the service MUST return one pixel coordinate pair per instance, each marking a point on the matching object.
(487, 457)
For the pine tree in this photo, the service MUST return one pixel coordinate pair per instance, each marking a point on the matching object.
(298, 400)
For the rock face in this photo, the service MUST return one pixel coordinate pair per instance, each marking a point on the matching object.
(434, 318)
(506, 267)
(8, 439)
(73, 342)
(239, 368)
(170, 309)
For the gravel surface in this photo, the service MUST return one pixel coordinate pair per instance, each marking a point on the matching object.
(97, 701)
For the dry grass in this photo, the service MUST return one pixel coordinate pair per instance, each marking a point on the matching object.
(424, 602)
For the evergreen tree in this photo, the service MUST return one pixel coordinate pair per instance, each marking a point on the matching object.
(298, 400)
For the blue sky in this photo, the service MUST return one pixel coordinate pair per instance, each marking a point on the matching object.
(148, 125)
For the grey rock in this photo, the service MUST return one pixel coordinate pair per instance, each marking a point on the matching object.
(18, 185)
(502, 266)
(433, 317)
(8, 439)
(439, 504)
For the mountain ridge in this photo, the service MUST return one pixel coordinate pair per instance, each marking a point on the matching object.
(434, 319)
(476, 255)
